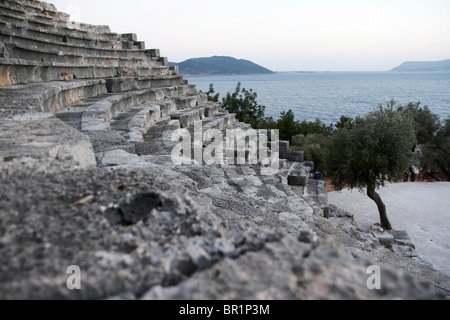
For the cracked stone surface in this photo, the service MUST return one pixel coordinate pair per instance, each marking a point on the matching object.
(95, 187)
(134, 232)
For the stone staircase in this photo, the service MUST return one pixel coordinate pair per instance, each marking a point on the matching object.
(87, 163)
(108, 87)
(41, 44)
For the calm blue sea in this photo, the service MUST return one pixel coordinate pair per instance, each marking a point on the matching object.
(328, 96)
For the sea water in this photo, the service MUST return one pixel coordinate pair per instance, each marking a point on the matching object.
(329, 95)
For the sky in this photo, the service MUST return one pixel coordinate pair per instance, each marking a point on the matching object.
(282, 35)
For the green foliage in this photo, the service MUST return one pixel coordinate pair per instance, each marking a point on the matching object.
(357, 152)
(219, 65)
(433, 136)
(315, 146)
(314, 127)
(345, 122)
(287, 125)
(377, 148)
(212, 96)
(436, 154)
(426, 124)
(243, 103)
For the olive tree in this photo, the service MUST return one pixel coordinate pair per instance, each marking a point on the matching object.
(376, 149)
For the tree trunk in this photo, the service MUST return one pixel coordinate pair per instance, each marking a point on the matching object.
(384, 220)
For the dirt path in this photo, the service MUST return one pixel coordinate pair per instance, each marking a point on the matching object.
(422, 209)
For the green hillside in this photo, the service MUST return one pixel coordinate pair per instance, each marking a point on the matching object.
(416, 66)
(219, 66)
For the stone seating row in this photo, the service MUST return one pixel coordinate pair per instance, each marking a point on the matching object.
(21, 52)
(96, 113)
(158, 139)
(33, 54)
(38, 7)
(17, 71)
(50, 97)
(88, 37)
(65, 35)
(31, 18)
(46, 18)
(122, 84)
(26, 60)
(116, 92)
(23, 40)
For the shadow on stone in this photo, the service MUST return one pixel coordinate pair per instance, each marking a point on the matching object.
(132, 212)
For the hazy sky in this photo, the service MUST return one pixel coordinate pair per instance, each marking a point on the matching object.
(282, 35)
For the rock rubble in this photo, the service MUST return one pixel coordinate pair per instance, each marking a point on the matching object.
(88, 178)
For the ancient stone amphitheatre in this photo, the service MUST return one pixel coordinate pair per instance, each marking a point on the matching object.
(88, 179)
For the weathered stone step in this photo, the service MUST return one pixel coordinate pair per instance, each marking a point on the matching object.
(191, 101)
(7, 36)
(52, 96)
(245, 180)
(102, 30)
(121, 121)
(244, 145)
(33, 7)
(52, 20)
(316, 191)
(161, 133)
(147, 116)
(32, 21)
(135, 122)
(116, 85)
(235, 178)
(187, 117)
(45, 145)
(33, 15)
(298, 174)
(107, 140)
(221, 122)
(97, 115)
(65, 35)
(16, 71)
(13, 51)
(157, 140)
(236, 129)
(209, 127)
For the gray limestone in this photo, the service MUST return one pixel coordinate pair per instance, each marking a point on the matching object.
(44, 145)
(385, 238)
(51, 96)
(298, 174)
(87, 179)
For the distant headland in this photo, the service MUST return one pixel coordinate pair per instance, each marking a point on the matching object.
(219, 65)
(418, 66)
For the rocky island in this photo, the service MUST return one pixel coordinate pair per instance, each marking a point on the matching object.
(90, 183)
(424, 66)
(219, 66)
